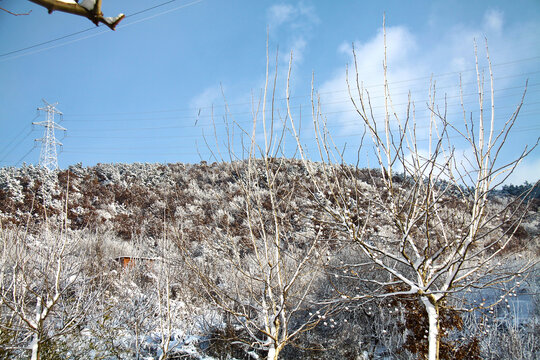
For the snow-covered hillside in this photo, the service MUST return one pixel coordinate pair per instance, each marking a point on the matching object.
(192, 233)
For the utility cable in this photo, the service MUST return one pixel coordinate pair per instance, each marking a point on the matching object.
(24, 156)
(188, 109)
(243, 113)
(94, 27)
(15, 138)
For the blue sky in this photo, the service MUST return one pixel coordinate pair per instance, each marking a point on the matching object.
(147, 91)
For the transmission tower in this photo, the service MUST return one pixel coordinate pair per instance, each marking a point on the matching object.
(48, 157)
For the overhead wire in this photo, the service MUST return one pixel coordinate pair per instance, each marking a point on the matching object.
(161, 138)
(536, 87)
(14, 139)
(214, 106)
(147, 135)
(338, 124)
(436, 76)
(154, 137)
(453, 109)
(3, 55)
(24, 156)
(168, 135)
(108, 149)
(180, 150)
(206, 124)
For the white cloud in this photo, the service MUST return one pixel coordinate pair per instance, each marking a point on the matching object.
(308, 13)
(369, 57)
(279, 14)
(411, 61)
(493, 20)
(203, 102)
(300, 17)
(297, 47)
(291, 25)
(345, 48)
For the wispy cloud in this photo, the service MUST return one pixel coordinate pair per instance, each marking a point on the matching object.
(493, 20)
(280, 14)
(299, 16)
(297, 46)
(203, 102)
(370, 56)
(411, 61)
(210, 95)
(290, 25)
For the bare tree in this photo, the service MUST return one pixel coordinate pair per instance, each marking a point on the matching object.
(90, 9)
(265, 276)
(441, 235)
(42, 291)
(165, 268)
(265, 280)
(126, 314)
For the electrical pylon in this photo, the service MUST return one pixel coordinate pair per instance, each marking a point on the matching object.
(48, 157)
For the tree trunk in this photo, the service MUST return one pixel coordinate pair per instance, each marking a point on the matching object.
(35, 347)
(36, 338)
(273, 351)
(432, 309)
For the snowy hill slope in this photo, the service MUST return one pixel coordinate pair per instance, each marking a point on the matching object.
(153, 211)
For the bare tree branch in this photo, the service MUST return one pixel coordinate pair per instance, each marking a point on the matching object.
(90, 9)
(15, 14)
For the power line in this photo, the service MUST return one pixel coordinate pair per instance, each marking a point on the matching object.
(179, 150)
(151, 8)
(46, 42)
(154, 137)
(243, 113)
(14, 139)
(345, 98)
(160, 136)
(95, 27)
(336, 125)
(187, 136)
(24, 156)
(469, 70)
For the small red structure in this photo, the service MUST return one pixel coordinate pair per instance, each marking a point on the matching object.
(130, 261)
